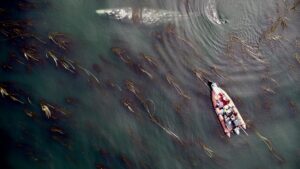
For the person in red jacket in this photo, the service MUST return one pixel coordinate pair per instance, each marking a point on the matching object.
(222, 100)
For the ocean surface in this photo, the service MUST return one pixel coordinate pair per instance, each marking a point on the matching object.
(83, 88)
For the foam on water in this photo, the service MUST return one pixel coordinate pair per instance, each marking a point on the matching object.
(212, 13)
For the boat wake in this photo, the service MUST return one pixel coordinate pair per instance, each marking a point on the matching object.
(212, 13)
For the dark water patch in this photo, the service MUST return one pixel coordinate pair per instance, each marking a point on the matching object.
(5, 147)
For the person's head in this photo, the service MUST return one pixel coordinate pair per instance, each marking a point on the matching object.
(226, 108)
(229, 110)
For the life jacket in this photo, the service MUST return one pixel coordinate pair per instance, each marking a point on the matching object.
(225, 102)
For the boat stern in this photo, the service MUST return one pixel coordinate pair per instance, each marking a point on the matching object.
(237, 130)
(244, 126)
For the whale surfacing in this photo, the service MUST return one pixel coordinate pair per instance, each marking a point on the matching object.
(145, 16)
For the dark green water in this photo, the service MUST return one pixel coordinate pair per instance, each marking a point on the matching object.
(253, 56)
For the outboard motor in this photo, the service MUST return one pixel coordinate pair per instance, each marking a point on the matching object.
(237, 130)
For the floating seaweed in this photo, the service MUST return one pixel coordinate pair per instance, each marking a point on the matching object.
(208, 151)
(283, 22)
(269, 90)
(168, 131)
(201, 75)
(131, 86)
(217, 71)
(17, 29)
(50, 54)
(270, 32)
(31, 54)
(270, 147)
(149, 107)
(57, 131)
(60, 39)
(59, 135)
(274, 37)
(173, 83)
(122, 54)
(170, 30)
(141, 69)
(29, 113)
(72, 67)
(113, 85)
(65, 63)
(180, 110)
(295, 4)
(293, 106)
(12, 96)
(267, 77)
(46, 110)
(251, 50)
(169, 33)
(68, 65)
(9, 89)
(3, 92)
(150, 60)
(138, 68)
(265, 140)
(92, 77)
(52, 111)
(128, 104)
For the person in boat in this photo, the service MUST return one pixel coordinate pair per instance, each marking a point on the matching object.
(222, 100)
(225, 111)
(232, 117)
(230, 111)
(236, 123)
(228, 122)
(229, 116)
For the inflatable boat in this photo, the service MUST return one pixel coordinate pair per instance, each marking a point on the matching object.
(227, 113)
